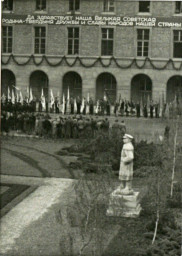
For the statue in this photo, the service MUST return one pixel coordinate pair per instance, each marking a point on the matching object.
(126, 166)
(124, 201)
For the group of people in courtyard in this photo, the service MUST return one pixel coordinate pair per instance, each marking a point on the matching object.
(101, 107)
(75, 126)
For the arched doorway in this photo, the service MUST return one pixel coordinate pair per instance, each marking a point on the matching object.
(106, 85)
(74, 82)
(141, 88)
(7, 81)
(174, 88)
(39, 81)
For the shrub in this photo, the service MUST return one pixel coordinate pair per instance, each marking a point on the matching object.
(175, 201)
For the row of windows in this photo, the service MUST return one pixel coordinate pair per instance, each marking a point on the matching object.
(107, 41)
(108, 6)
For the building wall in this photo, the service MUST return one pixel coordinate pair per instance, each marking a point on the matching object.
(90, 41)
(89, 76)
(23, 40)
(161, 45)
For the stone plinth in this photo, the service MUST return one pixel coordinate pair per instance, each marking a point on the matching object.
(124, 205)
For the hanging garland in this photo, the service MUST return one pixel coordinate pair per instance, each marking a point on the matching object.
(97, 61)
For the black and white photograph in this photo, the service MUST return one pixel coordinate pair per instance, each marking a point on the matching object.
(91, 128)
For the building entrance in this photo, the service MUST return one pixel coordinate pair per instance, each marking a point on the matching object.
(141, 89)
(39, 81)
(7, 81)
(73, 81)
(106, 85)
(174, 88)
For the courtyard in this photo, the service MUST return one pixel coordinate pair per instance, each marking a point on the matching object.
(38, 197)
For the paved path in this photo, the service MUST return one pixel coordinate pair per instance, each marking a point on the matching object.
(36, 158)
(40, 224)
(27, 218)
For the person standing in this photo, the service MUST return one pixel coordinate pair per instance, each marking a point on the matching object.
(78, 102)
(91, 106)
(145, 112)
(72, 105)
(156, 110)
(127, 108)
(84, 108)
(122, 108)
(56, 103)
(108, 108)
(116, 105)
(138, 109)
(151, 109)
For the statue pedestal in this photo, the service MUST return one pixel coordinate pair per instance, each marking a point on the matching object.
(124, 205)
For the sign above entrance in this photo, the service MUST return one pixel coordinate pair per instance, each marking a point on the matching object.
(126, 21)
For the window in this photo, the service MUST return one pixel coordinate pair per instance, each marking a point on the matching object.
(74, 5)
(73, 40)
(142, 42)
(40, 5)
(107, 41)
(144, 6)
(108, 5)
(40, 40)
(177, 44)
(178, 7)
(7, 39)
(7, 5)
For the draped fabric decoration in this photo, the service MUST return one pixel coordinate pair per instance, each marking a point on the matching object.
(9, 96)
(64, 59)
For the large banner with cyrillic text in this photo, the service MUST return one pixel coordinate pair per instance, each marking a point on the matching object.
(126, 21)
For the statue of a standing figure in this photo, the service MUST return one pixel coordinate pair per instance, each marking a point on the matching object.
(126, 166)
(124, 201)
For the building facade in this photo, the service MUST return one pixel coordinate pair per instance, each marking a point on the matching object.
(126, 49)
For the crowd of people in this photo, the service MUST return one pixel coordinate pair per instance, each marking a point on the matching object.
(76, 126)
(77, 106)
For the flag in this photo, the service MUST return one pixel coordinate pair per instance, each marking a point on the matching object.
(97, 107)
(63, 105)
(31, 95)
(17, 97)
(75, 106)
(58, 99)
(105, 97)
(27, 95)
(87, 104)
(141, 105)
(52, 97)
(9, 96)
(68, 96)
(43, 100)
(68, 101)
(21, 98)
(83, 105)
(16, 88)
(13, 97)
(3, 98)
